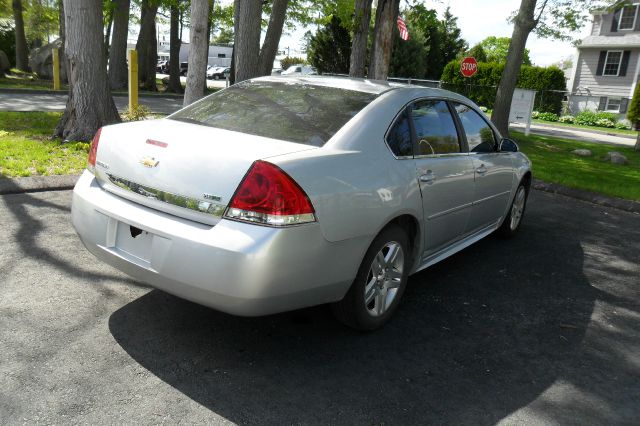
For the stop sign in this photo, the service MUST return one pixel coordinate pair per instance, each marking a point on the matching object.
(469, 66)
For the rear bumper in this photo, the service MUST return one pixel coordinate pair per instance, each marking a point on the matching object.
(234, 267)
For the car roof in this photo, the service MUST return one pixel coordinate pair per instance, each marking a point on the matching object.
(376, 87)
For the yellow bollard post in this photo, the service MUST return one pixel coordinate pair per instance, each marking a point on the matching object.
(133, 79)
(56, 69)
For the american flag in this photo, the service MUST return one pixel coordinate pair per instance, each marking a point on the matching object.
(402, 27)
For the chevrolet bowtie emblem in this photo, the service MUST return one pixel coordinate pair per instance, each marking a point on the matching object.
(149, 162)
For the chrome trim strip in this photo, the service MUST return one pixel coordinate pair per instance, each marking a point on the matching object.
(201, 206)
(490, 197)
(453, 210)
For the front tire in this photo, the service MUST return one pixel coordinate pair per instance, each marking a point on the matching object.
(381, 280)
(512, 222)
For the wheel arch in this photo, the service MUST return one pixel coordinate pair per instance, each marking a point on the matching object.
(411, 225)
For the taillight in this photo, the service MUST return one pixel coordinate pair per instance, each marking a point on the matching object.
(93, 151)
(269, 196)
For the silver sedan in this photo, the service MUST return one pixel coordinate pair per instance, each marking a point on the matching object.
(285, 192)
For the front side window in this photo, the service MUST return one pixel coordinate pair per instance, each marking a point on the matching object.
(480, 136)
(399, 137)
(628, 17)
(302, 113)
(435, 129)
(612, 62)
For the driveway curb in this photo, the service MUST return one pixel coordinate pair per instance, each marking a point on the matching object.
(37, 184)
(591, 197)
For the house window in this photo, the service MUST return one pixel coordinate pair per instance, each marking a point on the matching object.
(222, 55)
(612, 62)
(613, 104)
(628, 17)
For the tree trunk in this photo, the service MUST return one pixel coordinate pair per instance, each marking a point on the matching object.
(22, 52)
(386, 15)
(147, 46)
(61, 20)
(272, 39)
(90, 105)
(118, 78)
(198, 52)
(247, 39)
(361, 18)
(64, 63)
(174, 51)
(637, 146)
(524, 23)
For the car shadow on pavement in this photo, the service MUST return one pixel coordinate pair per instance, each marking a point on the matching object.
(477, 337)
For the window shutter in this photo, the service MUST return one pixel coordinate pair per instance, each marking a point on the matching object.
(603, 103)
(625, 63)
(624, 105)
(603, 56)
(614, 20)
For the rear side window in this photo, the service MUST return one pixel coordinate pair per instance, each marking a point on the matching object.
(399, 137)
(435, 129)
(480, 136)
(289, 111)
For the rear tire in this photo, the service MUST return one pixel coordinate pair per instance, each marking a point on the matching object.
(512, 222)
(381, 280)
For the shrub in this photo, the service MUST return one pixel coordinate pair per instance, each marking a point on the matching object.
(604, 122)
(622, 125)
(481, 88)
(141, 112)
(483, 109)
(291, 60)
(548, 116)
(586, 118)
(535, 114)
(601, 115)
(567, 119)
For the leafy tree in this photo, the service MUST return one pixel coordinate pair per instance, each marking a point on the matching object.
(361, 20)
(451, 43)
(633, 115)
(89, 105)
(556, 19)
(478, 53)
(225, 36)
(330, 48)
(496, 49)
(22, 52)
(386, 14)
(291, 60)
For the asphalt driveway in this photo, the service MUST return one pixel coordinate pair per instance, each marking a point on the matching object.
(544, 328)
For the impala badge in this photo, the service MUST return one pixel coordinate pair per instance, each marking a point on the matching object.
(149, 162)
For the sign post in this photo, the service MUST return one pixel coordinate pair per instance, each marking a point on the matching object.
(56, 68)
(522, 107)
(133, 79)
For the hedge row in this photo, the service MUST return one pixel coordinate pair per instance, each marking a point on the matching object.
(482, 87)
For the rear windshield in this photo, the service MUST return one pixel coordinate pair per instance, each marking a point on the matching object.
(288, 111)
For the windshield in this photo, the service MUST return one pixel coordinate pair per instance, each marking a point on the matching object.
(289, 111)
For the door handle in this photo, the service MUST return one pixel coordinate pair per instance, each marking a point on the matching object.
(428, 177)
(481, 170)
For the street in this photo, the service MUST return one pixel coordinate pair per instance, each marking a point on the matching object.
(543, 328)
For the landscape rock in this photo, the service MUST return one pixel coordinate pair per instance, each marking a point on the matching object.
(41, 61)
(616, 158)
(582, 152)
(5, 65)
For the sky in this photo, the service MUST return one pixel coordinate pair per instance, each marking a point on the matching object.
(479, 19)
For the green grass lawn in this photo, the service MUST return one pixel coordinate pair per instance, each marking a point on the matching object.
(26, 148)
(579, 127)
(553, 162)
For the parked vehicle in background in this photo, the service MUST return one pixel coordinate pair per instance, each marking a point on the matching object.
(276, 71)
(284, 192)
(219, 73)
(162, 67)
(184, 67)
(300, 70)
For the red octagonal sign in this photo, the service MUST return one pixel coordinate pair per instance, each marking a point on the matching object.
(469, 66)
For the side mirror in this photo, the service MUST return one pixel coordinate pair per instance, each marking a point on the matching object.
(508, 145)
